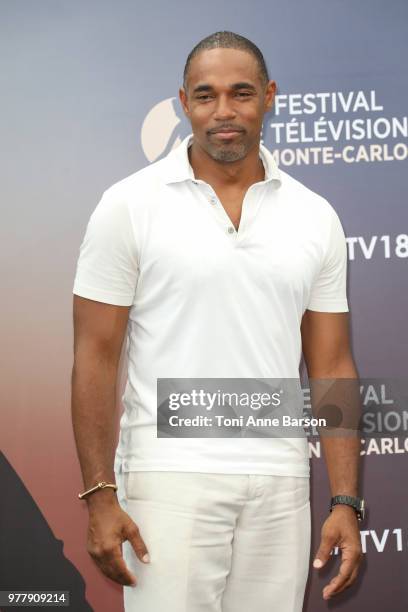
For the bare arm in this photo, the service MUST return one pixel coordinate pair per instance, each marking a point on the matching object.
(99, 331)
(327, 353)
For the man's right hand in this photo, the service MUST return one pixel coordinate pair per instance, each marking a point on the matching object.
(108, 527)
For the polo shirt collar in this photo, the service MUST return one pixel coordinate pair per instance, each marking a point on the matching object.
(177, 166)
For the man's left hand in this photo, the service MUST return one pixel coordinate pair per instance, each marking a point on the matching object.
(340, 529)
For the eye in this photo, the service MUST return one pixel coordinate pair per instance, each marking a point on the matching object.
(240, 94)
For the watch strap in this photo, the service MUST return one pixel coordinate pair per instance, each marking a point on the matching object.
(356, 503)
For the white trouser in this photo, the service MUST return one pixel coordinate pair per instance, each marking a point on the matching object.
(217, 542)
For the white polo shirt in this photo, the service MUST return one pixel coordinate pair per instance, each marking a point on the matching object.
(209, 301)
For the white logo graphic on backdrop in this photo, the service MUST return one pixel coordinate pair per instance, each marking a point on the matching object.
(161, 130)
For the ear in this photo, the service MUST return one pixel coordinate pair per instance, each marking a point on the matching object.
(270, 92)
(184, 101)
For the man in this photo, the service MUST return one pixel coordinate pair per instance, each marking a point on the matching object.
(218, 265)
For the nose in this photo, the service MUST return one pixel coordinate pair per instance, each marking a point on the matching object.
(224, 109)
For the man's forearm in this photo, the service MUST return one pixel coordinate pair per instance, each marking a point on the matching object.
(342, 456)
(337, 396)
(93, 418)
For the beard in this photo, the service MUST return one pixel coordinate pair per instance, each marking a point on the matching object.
(225, 152)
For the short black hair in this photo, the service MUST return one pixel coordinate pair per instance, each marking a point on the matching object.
(227, 40)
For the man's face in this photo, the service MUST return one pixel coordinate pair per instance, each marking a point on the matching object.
(225, 92)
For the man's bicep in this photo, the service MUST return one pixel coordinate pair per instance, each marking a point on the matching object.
(99, 328)
(325, 341)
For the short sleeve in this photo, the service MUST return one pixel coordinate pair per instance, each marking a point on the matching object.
(329, 290)
(107, 266)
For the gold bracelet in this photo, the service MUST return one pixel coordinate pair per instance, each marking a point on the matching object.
(100, 485)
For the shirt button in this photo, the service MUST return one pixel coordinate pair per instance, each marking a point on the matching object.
(231, 230)
(213, 200)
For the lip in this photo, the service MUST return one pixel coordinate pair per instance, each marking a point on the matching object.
(227, 134)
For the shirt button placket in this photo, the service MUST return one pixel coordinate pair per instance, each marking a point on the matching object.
(219, 211)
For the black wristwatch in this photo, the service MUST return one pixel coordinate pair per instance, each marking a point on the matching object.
(355, 502)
